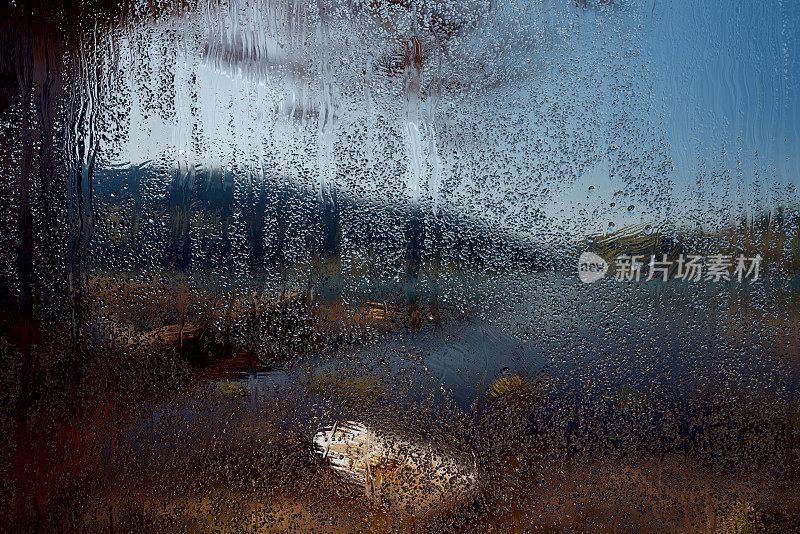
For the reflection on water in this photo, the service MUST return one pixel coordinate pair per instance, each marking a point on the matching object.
(598, 404)
(554, 435)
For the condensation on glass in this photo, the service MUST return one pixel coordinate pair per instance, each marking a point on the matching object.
(400, 266)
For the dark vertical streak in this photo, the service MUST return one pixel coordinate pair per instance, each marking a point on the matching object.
(82, 146)
(24, 263)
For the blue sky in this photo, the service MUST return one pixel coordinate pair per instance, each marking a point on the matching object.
(663, 112)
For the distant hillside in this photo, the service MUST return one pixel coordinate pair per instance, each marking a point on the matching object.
(775, 236)
(205, 221)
